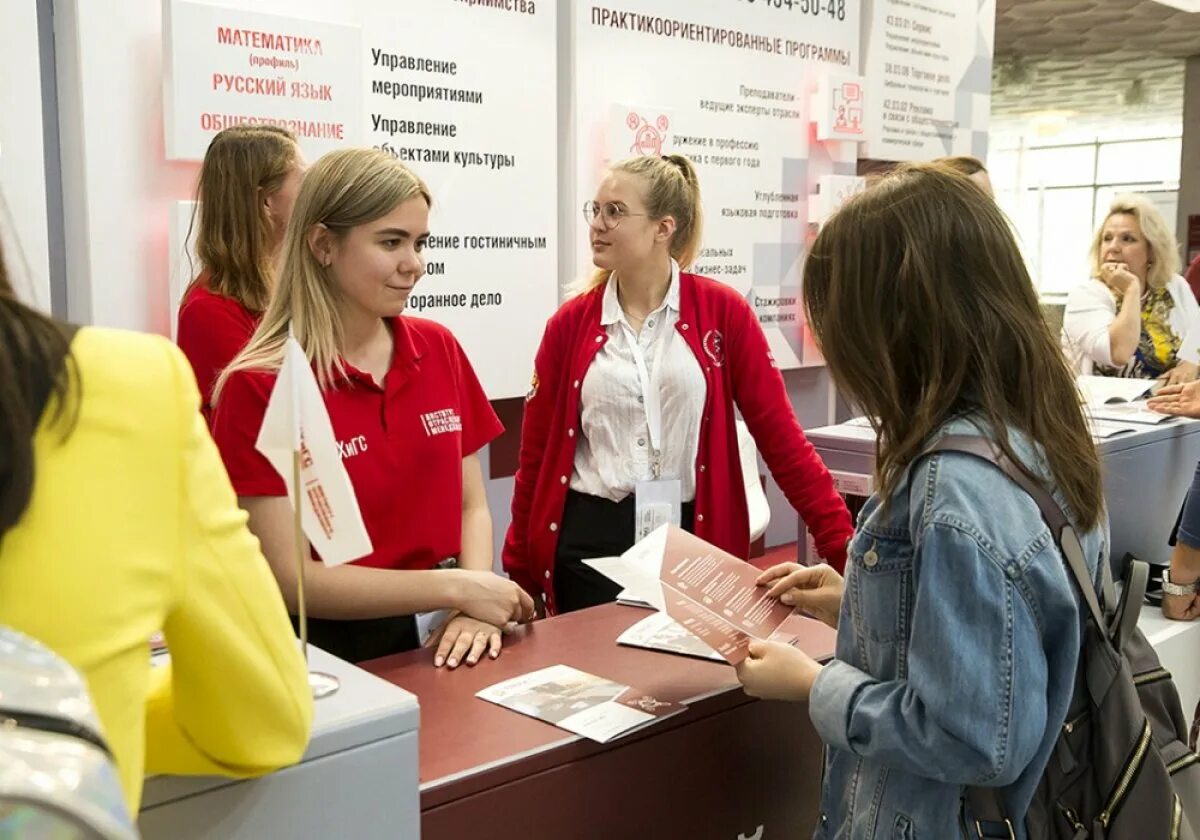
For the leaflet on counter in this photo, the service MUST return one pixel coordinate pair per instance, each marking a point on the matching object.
(658, 631)
(580, 702)
(709, 592)
(1108, 390)
(1129, 412)
(1104, 429)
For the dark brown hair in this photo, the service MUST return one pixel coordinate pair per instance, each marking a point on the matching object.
(34, 373)
(241, 165)
(921, 303)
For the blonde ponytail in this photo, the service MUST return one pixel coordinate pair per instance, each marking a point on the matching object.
(672, 189)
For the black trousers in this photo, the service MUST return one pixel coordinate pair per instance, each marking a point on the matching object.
(357, 640)
(594, 527)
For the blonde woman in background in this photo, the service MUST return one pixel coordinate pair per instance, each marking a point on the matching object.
(1136, 317)
(407, 410)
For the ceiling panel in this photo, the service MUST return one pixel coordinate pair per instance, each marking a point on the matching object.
(1097, 58)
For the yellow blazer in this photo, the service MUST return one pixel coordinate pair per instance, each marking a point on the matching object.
(133, 528)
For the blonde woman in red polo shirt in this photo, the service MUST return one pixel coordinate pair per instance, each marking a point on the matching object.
(246, 190)
(407, 410)
(630, 420)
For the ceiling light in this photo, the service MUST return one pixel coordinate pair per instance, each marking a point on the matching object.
(1049, 123)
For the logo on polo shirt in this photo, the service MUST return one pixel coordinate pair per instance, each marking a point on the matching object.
(354, 446)
(441, 422)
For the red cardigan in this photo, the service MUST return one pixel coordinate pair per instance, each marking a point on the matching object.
(723, 332)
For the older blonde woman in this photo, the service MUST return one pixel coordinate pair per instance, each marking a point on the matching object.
(1135, 317)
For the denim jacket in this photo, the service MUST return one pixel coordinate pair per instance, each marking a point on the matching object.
(957, 643)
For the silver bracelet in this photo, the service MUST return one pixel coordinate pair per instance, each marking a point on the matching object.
(1170, 588)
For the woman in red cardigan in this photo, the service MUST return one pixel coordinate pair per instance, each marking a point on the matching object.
(629, 422)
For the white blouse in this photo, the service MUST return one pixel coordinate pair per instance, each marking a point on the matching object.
(1091, 309)
(614, 452)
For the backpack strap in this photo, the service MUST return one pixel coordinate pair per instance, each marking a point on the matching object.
(986, 803)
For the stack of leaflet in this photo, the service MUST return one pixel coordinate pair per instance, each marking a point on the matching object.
(1115, 404)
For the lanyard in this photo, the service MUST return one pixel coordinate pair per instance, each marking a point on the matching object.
(650, 384)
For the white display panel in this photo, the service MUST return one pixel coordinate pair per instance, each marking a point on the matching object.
(929, 69)
(733, 80)
(464, 92)
(23, 229)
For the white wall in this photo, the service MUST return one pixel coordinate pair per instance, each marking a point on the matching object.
(22, 170)
(116, 182)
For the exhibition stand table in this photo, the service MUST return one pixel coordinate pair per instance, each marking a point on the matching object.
(727, 767)
(357, 779)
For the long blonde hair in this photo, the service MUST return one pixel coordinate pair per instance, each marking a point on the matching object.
(672, 189)
(1163, 251)
(233, 240)
(344, 189)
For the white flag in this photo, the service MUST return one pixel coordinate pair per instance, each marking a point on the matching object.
(296, 418)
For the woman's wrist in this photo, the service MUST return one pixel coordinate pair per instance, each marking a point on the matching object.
(1182, 575)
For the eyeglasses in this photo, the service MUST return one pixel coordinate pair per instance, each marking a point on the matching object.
(610, 214)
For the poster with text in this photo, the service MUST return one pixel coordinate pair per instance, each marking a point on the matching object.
(227, 66)
(727, 84)
(462, 91)
(928, 65)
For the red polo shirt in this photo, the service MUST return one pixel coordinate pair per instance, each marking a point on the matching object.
(212, 329)
(403, 444)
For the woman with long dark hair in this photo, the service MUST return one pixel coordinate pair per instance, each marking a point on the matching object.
(960, 629)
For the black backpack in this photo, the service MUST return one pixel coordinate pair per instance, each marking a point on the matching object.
(1121, 767)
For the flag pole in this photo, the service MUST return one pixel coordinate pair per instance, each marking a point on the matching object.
(301, 565)
(321, 683)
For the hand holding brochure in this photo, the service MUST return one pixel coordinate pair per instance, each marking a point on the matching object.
(711, 593)
(579, 702)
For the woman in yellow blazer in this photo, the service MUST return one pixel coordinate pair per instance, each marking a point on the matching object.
(117, 520)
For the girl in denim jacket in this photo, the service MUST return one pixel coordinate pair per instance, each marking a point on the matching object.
(958, 624)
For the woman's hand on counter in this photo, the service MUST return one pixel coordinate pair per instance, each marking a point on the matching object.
(1181, 607)
(1180, 400)
(1182, 373)
(464, 640)
(487, 597)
